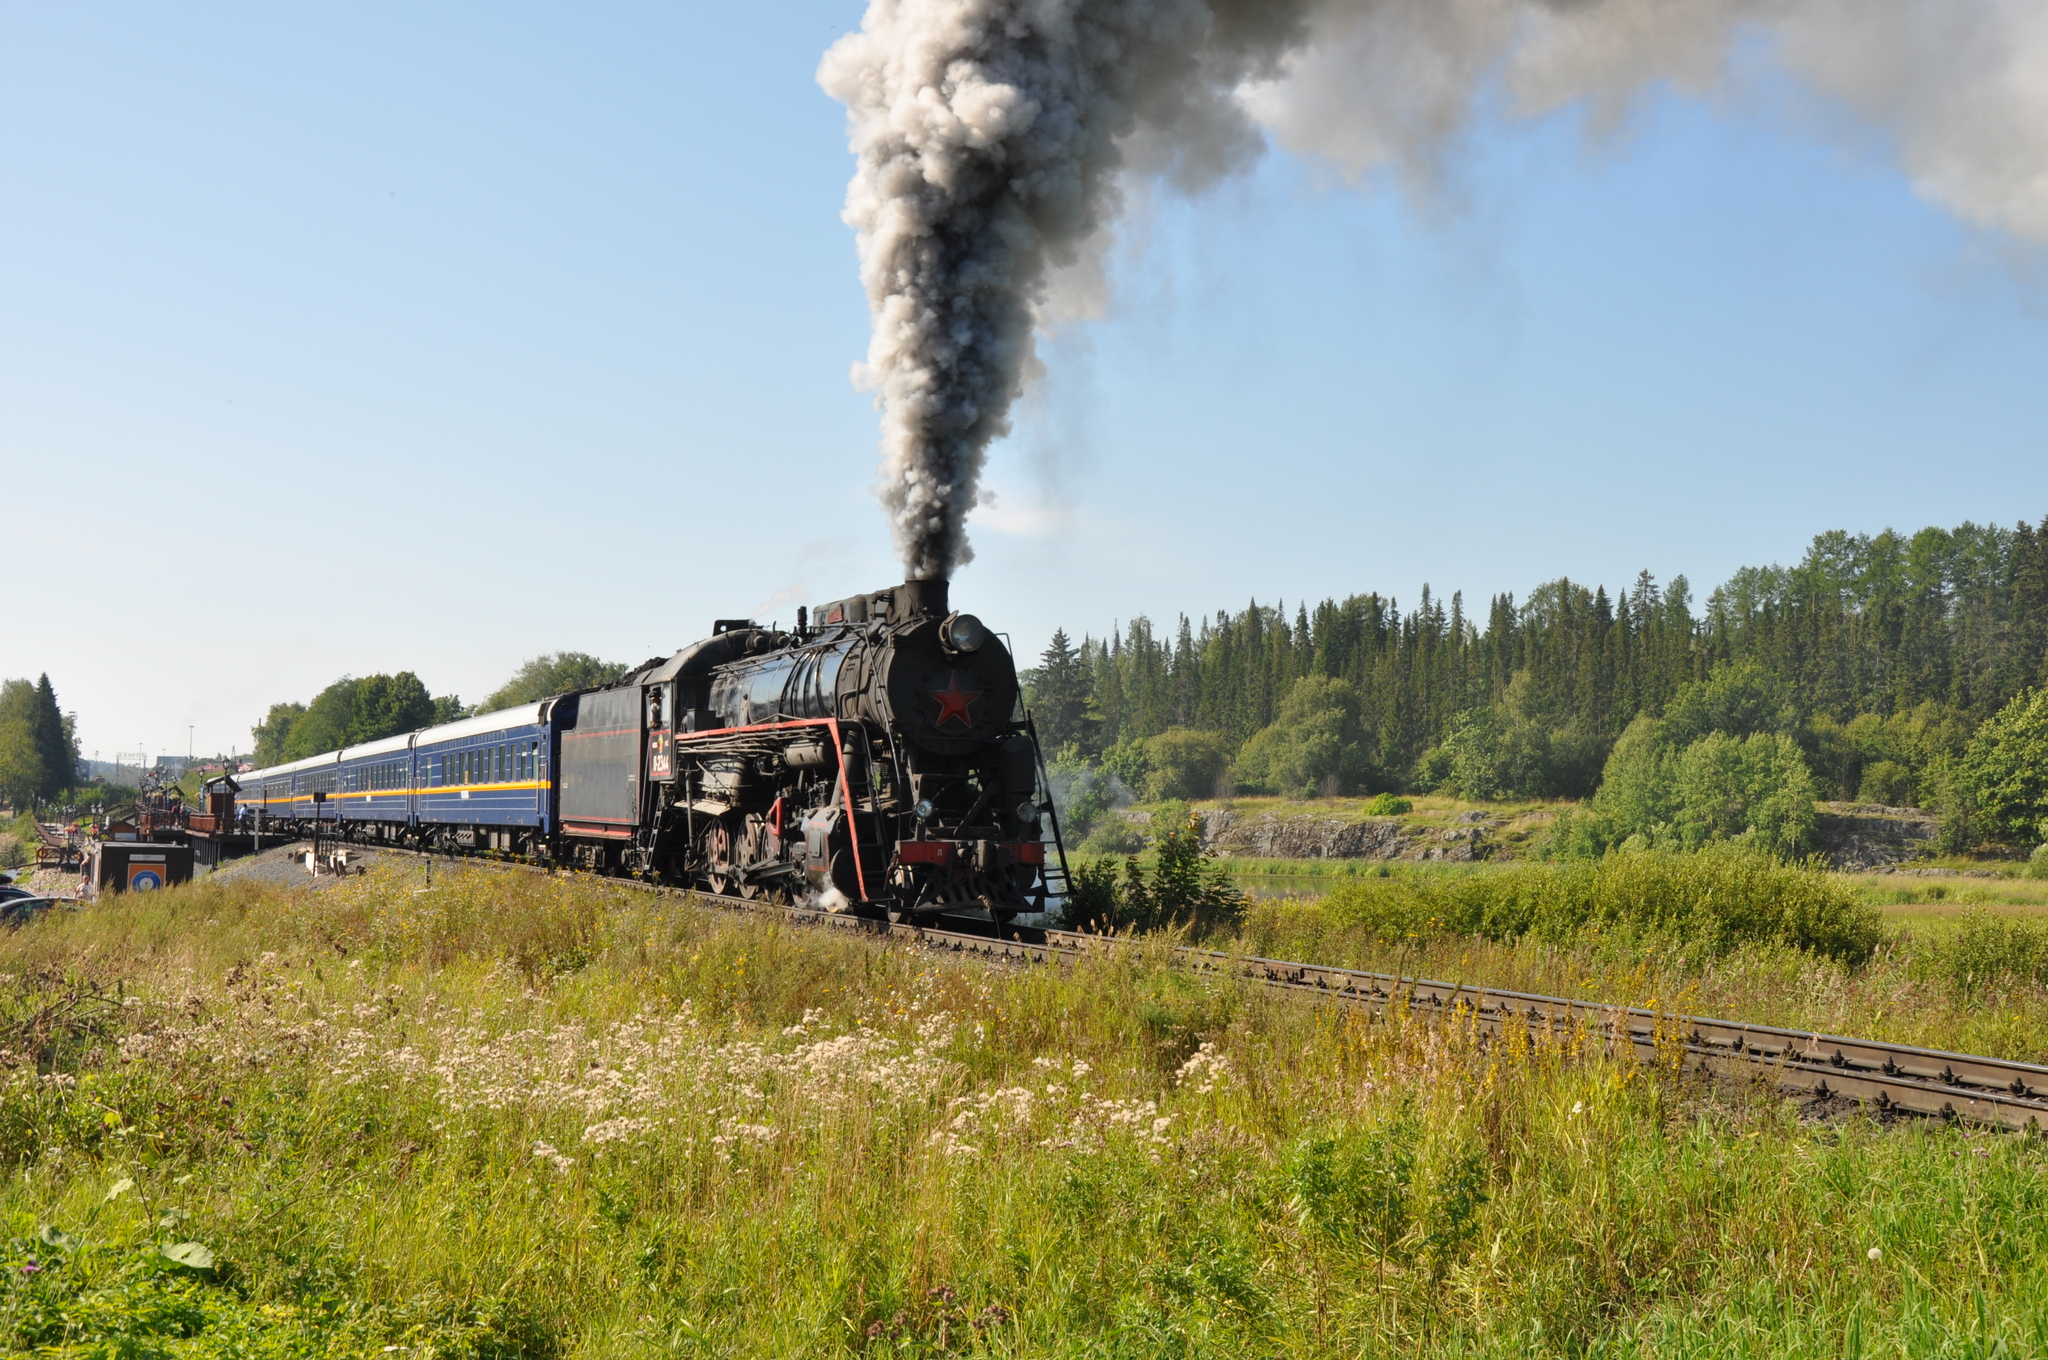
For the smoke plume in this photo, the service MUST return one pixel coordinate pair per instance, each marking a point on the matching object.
(994, 138)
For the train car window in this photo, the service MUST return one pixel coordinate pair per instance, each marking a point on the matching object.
(498, 758)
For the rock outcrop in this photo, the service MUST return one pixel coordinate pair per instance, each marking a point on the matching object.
(1270, 836)
(1864, 836)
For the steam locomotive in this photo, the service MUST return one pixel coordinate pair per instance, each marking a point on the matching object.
(875, 759)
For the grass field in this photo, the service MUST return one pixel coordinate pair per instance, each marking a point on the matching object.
(518, 1116)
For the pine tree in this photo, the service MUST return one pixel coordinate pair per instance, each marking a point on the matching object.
(58, 763)
(1059, 694)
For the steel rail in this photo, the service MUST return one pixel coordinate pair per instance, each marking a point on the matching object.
(1886, 1078)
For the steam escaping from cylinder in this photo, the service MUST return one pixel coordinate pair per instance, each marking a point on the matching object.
(993, 138)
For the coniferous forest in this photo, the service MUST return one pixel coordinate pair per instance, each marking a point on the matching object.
(1869, 666)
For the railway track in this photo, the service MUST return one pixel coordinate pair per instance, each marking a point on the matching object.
(1883, 1078)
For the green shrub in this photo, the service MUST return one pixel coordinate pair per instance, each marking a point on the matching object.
(1519, 746)
(1989, 951)
(1113, 836)
(1184, 763)
(1317, 745)
(2005, 771)
(1183, 888)
(1716, 899)
(1886, 782)
(1387, 805)
(2037, 863)
(1717, 787)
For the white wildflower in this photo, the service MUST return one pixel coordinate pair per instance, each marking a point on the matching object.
(1204, 1071)
(544, 1153)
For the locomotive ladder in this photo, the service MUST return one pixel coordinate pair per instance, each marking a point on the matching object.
(1057, 882)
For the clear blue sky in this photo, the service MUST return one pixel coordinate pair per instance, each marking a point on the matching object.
(390, 337)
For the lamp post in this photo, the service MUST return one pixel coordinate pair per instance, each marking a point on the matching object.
(319, 797)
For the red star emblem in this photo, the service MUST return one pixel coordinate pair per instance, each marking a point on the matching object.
(954, 701)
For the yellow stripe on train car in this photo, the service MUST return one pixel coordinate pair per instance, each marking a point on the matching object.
(335, 797)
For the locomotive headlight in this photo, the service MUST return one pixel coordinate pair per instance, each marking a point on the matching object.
(962, 633)
(923, 810)
(1027, 811)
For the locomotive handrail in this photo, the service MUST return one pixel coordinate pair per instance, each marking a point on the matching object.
(1052, 811)
(860, 877)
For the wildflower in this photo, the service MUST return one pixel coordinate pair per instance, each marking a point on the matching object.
(543, 1152)
(31, 1268)
(1876, 1253)
(1205, 1070)
(1578, 1107)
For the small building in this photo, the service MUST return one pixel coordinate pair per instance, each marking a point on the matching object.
(137, 866)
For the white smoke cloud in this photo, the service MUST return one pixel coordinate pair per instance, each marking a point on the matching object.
(998, 141)
(1958, 89)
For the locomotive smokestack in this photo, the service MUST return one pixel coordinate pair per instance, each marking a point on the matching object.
(921, 597)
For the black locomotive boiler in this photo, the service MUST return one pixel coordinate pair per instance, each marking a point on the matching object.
(876, 755)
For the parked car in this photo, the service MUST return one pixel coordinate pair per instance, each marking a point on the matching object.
(20, 910)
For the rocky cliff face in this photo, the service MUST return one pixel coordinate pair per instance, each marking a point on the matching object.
(1472, 835)
(1862, 836)
(1853, 836)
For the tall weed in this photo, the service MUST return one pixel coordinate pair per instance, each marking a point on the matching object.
(520, 1117)
(1726, 895)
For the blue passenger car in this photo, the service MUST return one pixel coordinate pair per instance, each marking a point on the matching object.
(376, 781)
(284, 793)
(487, 774)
